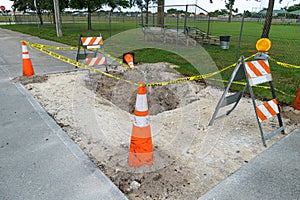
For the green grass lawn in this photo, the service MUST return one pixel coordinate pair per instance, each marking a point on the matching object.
(285, 48)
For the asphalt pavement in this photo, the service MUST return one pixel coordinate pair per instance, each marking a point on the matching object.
(38, 160)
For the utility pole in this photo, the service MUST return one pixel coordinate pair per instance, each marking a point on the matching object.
(36, 14)
(57, 18)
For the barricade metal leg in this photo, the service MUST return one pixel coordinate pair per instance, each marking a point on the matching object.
(78, 50)
(259, 124)
(278, 115)
(237, 74)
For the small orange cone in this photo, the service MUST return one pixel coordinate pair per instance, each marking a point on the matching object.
(141, 151)
(296, 103)
(128, 58)
(27, 65)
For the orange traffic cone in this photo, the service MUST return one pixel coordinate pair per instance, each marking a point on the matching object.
(128, 58)
(141, 151)
(27, 65)
(296, 103)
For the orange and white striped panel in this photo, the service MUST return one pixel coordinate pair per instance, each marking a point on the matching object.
(267, 110)
(92, 42)
(258, 72)
(95, 61)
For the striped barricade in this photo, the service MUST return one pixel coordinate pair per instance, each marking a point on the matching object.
(91, 47)
(254, 72)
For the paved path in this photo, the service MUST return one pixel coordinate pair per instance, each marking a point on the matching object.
(37, 158)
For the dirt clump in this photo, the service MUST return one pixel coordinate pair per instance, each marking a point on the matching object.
(31, 79)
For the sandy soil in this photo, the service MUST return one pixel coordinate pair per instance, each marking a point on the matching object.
(190, 156)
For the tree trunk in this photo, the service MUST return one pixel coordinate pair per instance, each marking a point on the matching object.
(230, 15)
(89, 19)
(40, 18)
(147, 14)
(160, 13)
(269, 14)
(53, 17)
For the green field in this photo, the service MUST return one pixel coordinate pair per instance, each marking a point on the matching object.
(285, 48)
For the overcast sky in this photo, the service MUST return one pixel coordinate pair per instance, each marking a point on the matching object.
(251, 5)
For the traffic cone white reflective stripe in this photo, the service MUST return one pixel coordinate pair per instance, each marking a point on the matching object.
(258, 72)
(92, 42)
(96, 61)
(267, 110)
(25, 54)
(131, 65)
(141, 106)
(142, 121)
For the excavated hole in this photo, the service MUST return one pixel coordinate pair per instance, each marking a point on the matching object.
(123, 95)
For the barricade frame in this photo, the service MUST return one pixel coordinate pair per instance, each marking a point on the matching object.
(94, 48)
(240, 73)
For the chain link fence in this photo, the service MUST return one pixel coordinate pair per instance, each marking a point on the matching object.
(195, 22)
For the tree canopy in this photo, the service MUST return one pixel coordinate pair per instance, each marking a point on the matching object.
(94, 5)
(39, 6)
(229, 5)
(42, 5)
(175, 11)
(293, 8)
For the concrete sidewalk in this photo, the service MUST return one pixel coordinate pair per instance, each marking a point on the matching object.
(38, 160)
(274, 174)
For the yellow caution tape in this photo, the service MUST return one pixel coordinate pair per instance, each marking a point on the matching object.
(164, 83)
(75, 63)
(194, 78)
(55, 47)
(81, 48)
(285, 64)
(43, 49)
(257, 86)
(228, 67)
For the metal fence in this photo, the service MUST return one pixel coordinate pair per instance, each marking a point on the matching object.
(192, 18)
(170, 20)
